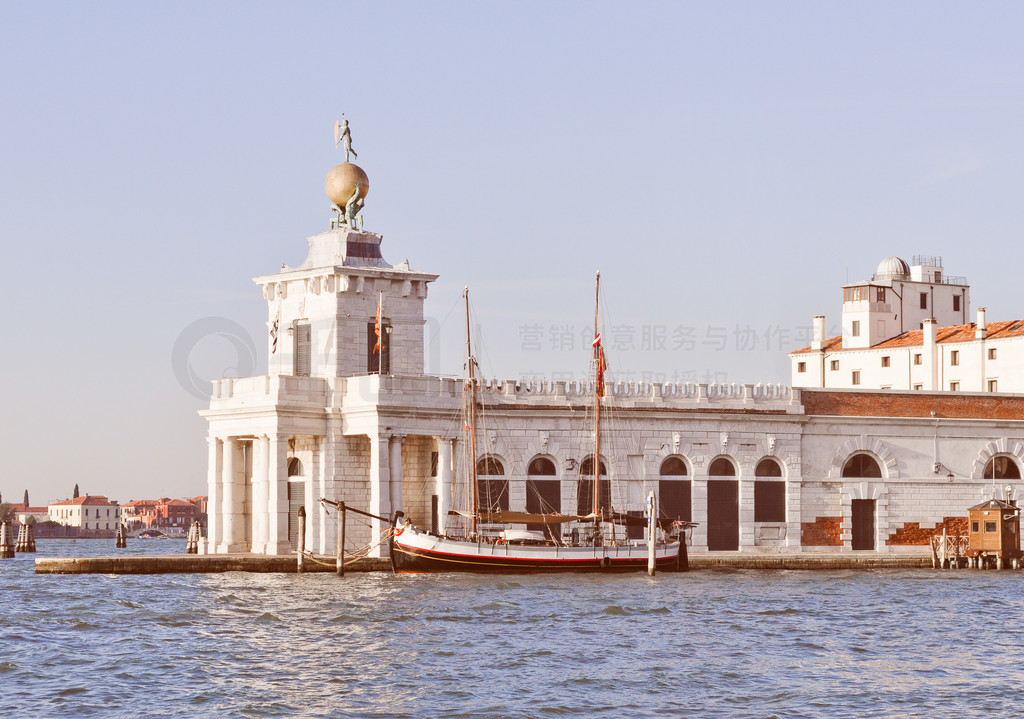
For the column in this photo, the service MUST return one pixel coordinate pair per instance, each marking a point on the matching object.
(232, 514)
(395, 462)
(444, 482)
(260, 493)
(214, 505)
(380, 494)
(277, 496)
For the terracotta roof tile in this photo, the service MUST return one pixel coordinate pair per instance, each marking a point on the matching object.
(90, 499)
(943, 335)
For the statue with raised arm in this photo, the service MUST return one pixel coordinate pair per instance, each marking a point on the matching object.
(343, 135)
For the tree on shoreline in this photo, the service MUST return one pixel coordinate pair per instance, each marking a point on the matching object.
(26, 499)
(75, 495)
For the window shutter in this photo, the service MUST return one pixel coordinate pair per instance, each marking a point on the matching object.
(302, 350)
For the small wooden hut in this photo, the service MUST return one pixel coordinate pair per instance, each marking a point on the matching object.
(995, 532)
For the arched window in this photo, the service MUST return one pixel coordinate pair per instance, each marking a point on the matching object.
(722, 467)
(769, 492)
(861, 465)
(674, 490)
(1002, 467)
(543, 492)
(490, 466)
(294, 467)
(541, 466)
(491, 485)
(585, 498)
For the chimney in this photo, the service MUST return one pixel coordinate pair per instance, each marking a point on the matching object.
(930, 350)
(818, 342)
(981, 332)
(929, 333)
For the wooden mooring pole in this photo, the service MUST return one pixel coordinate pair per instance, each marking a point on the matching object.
(652, 527)
(300, 553)
(341, 539)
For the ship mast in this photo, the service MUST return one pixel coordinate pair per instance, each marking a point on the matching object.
(597, 404)
(469, 392)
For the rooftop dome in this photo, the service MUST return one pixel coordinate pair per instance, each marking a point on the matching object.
(892, 268)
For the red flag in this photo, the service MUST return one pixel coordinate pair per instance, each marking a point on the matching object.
(376, 324)
(597, 340)
(602, 365)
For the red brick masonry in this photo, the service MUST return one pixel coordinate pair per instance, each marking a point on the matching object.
(886, 403)
(822, 532)
(912, 534)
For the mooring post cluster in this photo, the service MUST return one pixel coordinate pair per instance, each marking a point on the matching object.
(6, 546)
(192, 541)
(26, 539)
(120, 541)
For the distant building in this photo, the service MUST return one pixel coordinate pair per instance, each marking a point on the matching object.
(907, 329)
(163, 512)
(88, 512)
(33, 514)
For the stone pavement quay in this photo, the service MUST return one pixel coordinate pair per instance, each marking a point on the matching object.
(201, 564)
(198, 564)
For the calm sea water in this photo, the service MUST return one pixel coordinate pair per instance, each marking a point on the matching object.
(709, 643)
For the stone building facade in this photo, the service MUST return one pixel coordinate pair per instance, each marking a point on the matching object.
(758, 468)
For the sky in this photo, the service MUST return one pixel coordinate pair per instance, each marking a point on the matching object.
(726, 166)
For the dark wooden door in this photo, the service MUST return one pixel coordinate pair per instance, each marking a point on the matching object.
(863, 521)
(723, 515)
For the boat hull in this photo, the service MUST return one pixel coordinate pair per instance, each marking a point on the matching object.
(416, 551)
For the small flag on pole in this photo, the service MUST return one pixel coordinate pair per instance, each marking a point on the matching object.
(376, 324)
(602, 365)
(597, 340)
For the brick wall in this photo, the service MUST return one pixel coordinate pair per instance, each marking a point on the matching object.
(912, 404)
(912, 533)
(822, 532)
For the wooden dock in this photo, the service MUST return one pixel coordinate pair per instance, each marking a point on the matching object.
(285, 564)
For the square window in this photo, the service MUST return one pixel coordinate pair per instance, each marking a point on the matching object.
(918, 386)
(974, 526)
(855, 328)
(990, 526)
(956, 303)
(885, 361)
(856, 377)
(801, 366)
(993, 385)
(991, 352)
(835, 364)
(924, 300)
(917, 359)
(769, 501)
(879, 294)
(954, 386)
(954, 358)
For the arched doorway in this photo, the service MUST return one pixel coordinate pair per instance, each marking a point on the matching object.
(585, 496)
(723, 506)
(491, 485)
(862, 511)
(543, 492)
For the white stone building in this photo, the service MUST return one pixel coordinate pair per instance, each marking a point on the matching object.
(759, 468)
(907, 329)
(89, 512)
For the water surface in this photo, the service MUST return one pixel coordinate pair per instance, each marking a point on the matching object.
(909, 643)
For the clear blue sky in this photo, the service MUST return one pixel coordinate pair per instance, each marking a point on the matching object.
(726, 165)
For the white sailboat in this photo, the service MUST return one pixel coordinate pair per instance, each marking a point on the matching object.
(593, 544)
